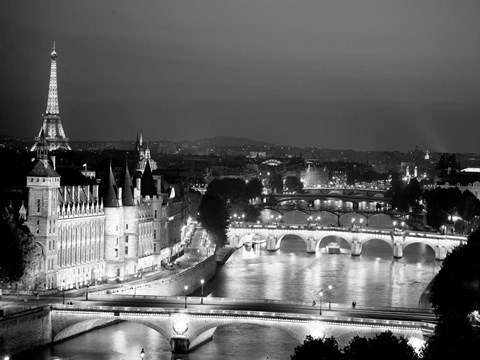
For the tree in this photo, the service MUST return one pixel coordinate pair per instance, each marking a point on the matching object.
(17, 249)
(454, 338)
(253, 188)
(456, 288)
(317, 349)
(468, 206)
(397, 191)
(413, 193)
(213, 215)
(383, 346)
(293, 183)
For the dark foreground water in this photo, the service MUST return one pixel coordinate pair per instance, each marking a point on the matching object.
(290, 274)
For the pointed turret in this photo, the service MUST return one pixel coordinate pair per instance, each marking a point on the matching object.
(52, 124)
(110, 199)
(127, 195)
(148, 184)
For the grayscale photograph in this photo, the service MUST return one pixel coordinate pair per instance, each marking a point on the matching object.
(239, 179)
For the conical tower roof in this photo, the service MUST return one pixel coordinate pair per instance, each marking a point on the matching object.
(127, 196)
(148, 184)
(110, 199)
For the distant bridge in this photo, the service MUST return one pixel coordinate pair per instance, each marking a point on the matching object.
(188, 328)
(355, 199)
(241, 233)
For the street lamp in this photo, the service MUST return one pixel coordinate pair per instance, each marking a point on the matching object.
(394, 224)
(321, 296)
(88, 284)
(142, 353)
(63, 292)
(202, 282)
(186, 288)
(330, 287)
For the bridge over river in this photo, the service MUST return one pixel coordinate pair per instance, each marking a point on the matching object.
(316, 237)
(188, 322)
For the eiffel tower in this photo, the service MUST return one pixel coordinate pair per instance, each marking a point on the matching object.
(52, 124)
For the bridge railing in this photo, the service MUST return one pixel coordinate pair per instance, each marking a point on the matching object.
(220, 300)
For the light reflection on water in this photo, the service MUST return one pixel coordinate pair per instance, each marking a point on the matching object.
(290, 274)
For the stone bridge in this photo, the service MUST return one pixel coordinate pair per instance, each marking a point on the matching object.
(239, 235)
(188, 329)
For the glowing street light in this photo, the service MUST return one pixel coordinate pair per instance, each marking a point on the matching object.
(202, 282)
(186, 288)
(63, 292)
(330, 287)
(320, 294)
(88, 284)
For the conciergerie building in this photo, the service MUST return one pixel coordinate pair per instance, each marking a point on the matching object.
(83, 237)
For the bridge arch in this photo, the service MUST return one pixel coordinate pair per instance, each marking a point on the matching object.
(383, 240)
(296, 216)
(63, 328)
(324, 241)
(279, 241)
(380, 220)
(207, 331)
(430, 246)
(347, 219)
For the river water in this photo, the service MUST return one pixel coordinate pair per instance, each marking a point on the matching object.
(290, 274)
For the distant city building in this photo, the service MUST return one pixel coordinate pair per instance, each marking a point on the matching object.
(315, 175)
(465, 179)
(52, 124)
(144, 155)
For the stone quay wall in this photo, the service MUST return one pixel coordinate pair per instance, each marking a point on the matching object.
(173, 285)
(24, 330)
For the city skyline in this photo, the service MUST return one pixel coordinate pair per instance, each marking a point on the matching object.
(364, 76)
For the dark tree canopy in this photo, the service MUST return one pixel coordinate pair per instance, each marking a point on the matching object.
(213, 215)
(314, 349)
(17, 249)
(456, 288)
(293, 183)
(383, 346)
(454, 338)
(254, 188)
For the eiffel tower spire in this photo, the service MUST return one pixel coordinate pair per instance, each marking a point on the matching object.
(52, 124)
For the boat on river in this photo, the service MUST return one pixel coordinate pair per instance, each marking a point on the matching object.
(333, 248)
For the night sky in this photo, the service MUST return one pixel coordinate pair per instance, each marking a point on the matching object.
(357, 74)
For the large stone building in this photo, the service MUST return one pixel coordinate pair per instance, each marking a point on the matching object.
(86, 238)
(83, 237)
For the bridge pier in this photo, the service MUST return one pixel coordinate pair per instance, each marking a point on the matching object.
(272, 243)
(440, 252)
(180, 344)
(235, 241)
(397, 250)
(356, 248)
(311, 246)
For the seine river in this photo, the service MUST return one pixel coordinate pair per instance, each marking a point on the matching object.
(290, 274)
